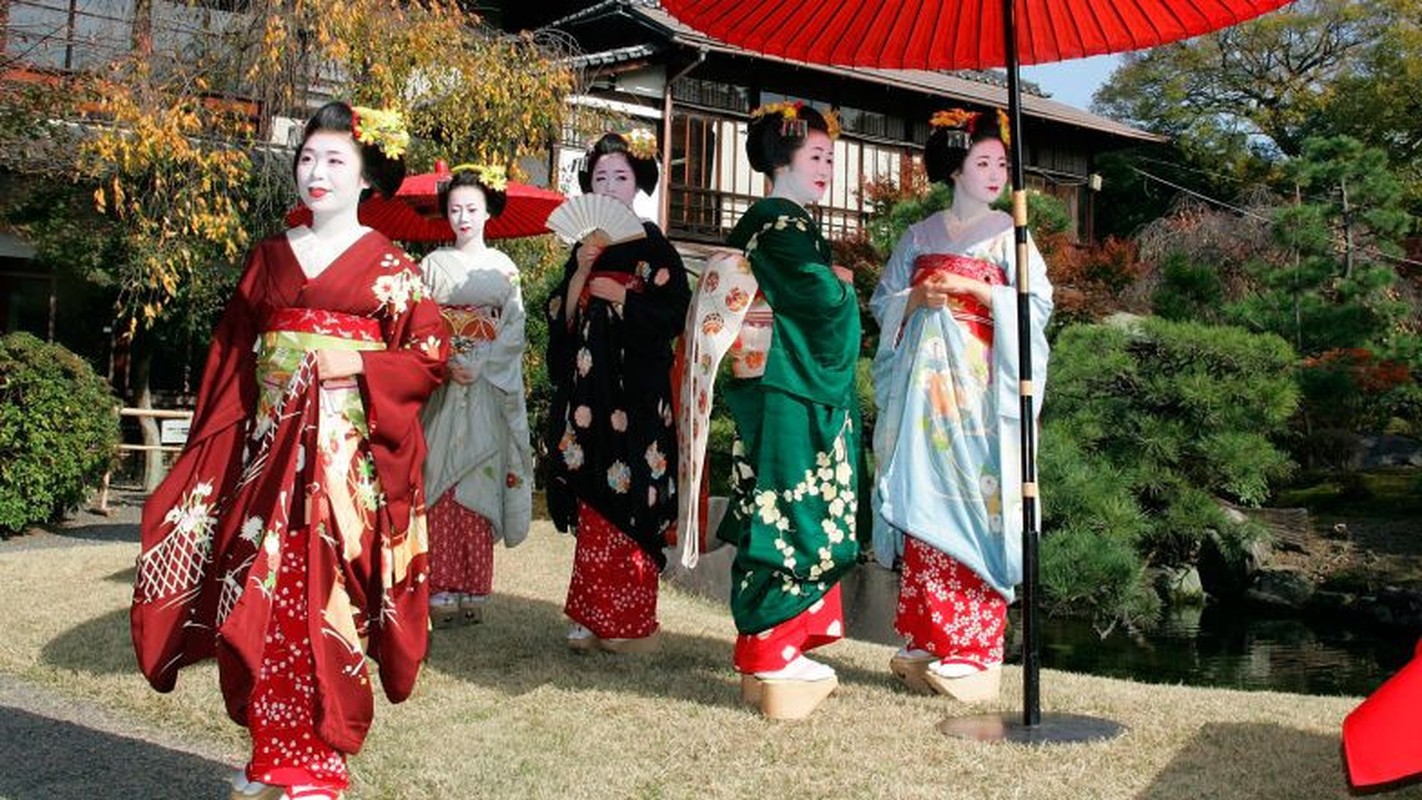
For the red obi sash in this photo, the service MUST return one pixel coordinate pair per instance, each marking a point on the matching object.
(325, 323)
(469, 325)
(632, 282)
(965, 308)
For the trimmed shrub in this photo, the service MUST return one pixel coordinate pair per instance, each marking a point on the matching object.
(58, 431)
(1143, 428)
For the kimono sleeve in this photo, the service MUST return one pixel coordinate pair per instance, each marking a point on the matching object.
(796, 278)
(228, 392)
(890, 297)
(1006, 358)
(396, 383)
(656, 315)
(560, 338)
(502, 363)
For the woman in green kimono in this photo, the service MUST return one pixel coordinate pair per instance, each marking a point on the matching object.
(792, 514)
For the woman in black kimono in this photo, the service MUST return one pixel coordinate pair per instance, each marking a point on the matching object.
(612, 439)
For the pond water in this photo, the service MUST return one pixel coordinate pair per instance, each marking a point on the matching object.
(1221, 647)
(1231, 648)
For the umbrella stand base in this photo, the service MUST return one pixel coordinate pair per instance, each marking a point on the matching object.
(1052, 729)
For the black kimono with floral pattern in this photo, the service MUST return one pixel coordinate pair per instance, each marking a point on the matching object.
(611, 430)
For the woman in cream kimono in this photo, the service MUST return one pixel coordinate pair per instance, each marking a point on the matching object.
(947, 496)
(480, 464)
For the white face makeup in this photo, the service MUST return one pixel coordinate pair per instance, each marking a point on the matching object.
(808, 174)
(468, 214)
(612, 176)
(984, 172)
(328, 174)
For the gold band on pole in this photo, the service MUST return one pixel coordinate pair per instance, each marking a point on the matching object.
(1019, 206)
(1029, 489)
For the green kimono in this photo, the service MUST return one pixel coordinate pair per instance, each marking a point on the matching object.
(792, 516)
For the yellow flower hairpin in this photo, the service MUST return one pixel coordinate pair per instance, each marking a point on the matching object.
(491, 176)
(383, 128)
(641, 143)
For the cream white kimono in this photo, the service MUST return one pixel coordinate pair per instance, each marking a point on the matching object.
(478, 434)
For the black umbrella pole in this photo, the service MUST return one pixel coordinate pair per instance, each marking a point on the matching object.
(1031, 646)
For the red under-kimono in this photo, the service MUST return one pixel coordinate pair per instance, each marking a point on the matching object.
(295, 514)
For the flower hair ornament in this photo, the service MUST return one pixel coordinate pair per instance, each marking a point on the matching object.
(490, 176)
(384, 128)
(641, 143)
(961, 125)
(792, 124)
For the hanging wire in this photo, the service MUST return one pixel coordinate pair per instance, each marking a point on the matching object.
(1370, 250)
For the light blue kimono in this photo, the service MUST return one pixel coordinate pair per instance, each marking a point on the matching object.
(947, 441)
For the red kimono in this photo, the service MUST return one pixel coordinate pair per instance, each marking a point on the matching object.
(297, 509)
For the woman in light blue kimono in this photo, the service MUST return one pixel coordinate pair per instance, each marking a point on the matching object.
(947, 494)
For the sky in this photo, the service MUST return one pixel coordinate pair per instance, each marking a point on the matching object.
(1073, 82)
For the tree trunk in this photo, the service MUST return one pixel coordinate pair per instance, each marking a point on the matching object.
(153, 468)
(141, 35)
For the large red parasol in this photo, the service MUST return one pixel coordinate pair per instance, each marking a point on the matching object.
(957, 34)
(413, 215)
(977, 34)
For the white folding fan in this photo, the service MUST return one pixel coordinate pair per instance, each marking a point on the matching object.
(578, 217)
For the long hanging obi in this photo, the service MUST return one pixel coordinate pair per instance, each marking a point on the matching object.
(729, 317)
(940, 458)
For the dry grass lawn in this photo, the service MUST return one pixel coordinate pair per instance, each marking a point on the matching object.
(503, 710)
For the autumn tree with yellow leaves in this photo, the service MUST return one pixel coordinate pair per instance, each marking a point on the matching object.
(178, 154)
(174, 144)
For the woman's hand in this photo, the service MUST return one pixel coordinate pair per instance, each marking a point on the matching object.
(940, 287)
(959, 285)
(843, 273)
(333, 364)
(587, 255)
(608, 289)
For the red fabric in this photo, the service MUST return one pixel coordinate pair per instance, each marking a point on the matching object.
(774, 649)
(963, 34)
(1382, 738)
(461, 549)
(182, 620)
(413, 215)
(946, 609)
(613, 592)
(628, 280)
(286, 751)
(975, 316)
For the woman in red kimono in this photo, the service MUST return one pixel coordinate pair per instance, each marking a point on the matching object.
(612, 449)
(289, 539)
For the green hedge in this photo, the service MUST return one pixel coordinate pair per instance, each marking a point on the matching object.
(58, 431)
(1145, 424)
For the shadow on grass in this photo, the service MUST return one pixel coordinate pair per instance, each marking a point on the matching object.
(100, 532)
(520, 647)
(1252, 760)
(100, 646)
(57, 760)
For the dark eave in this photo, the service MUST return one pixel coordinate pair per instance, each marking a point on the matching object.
(984, 88)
